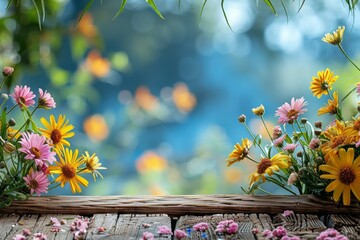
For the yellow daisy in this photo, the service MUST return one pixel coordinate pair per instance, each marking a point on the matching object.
(92, 164)
(336, 37)
(68, 169)
(352, 130)
(239, 152)
(331, 107)
(321, 83)
(269, 166)
(345, 171)
(58, 131)
(335, 137)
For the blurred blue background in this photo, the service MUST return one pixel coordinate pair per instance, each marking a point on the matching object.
(158, 100)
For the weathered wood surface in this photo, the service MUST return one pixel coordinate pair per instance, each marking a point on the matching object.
(132, 227)
(177, 205)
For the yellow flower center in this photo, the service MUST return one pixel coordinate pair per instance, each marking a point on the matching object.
(347, 175)
(337, 141)
(36, 152)
(55, 136)
(33, 184)
(68, 171)
(292, 113)
(263, 165)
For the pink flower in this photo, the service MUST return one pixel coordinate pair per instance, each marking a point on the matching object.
(45, 100)
(7, 71)
(19, 237)
(80, 234)
(203, 226)
(277, 132)
(26, 232)
(37, 182)
(148, 236)
(267, 233)
(287, 213)
(79, 224)
(55, 222)
(314, 143)
(227, 227)
(290, 148)
(23, 96)
(358, 89)
(180, 234)
(39, 236)
(330, 233)
(164, 230)
(292, 178)
(36, 148)
(279, 141)
(279, 232)
(287, 113)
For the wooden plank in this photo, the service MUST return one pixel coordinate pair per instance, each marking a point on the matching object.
(8, 224)
(177, 205)
(245, 225)
(127, 226)
(348, 225)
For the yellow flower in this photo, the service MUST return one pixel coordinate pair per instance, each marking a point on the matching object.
(336, 37)
(352, 130)
(345, 173)
(259, 111)
(269, 166)
(68, 169)
(240, 152)
(331, 107)
(58, 131)
(92, 164)
(321, 84)
(335, 138)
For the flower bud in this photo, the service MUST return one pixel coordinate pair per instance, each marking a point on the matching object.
(9, 147)
(303, 120)
(7, 71)
(319, 160)
(292, 178)
(5, 96)
(242, 118)
(318, 124)
(259, 111)
(2, 165)
(12, 122)
(299, 154)
(317, 132)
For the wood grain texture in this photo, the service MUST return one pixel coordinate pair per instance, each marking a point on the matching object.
(177, 205)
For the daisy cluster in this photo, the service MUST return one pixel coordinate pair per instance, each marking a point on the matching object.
(306, 158)
(34, 158)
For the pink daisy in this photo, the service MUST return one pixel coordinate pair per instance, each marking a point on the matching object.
(36, 148)
(290, 148)
(180, 234)
(37, 182)
(23, 96)
(279, 141)
(287, 113)
(45, 100)
(202, 226)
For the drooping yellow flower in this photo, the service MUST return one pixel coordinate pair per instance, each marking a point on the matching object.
(92, 164)
(335, 137)
(331, 107)
(336, 37)
(344, 170)
(269, 166)
(321, 84)
(239, 152)
(58, 131)
(259, 111)
(352, 130)
(68, 169)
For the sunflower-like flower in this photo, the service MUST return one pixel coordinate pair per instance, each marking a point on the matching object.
(68, 169)
(344, 170)
(331, 107)
(239, 152)
(336, 138)
(353, 130)
(269, 166)
(58, 131)
(287, 113)
(336, 37)
(321, 84)
(92, 164)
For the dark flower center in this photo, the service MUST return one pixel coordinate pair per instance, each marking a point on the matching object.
(337, 141)
(292, 114)
(33, 184)
(36, 152)
(324, 86)
(264, 164)
(347, 175)
(68, 171)
(55, 136)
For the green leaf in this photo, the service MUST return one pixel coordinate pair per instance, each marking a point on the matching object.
(33, 126)
(43, 10)
(38, 13)
(268, 2)
(121, 9)
(87, 7)
(223, 10)
(301, 5)
(202, 8)
(3, 123)
(153, 5)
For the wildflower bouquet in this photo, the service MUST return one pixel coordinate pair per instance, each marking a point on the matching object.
(36, 159)
(305, 158)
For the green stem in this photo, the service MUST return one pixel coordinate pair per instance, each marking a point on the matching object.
(263, 190)
(267, 130)
(347, 56)
(2, 83)
(254, 139)
(280, 185)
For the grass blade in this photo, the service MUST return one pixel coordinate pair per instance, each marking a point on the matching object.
(153, 5)
(87, 7)
(202, 8)
(271, 6)
(121, 9)
(223, 10)
(43, 10)
(38, 13)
